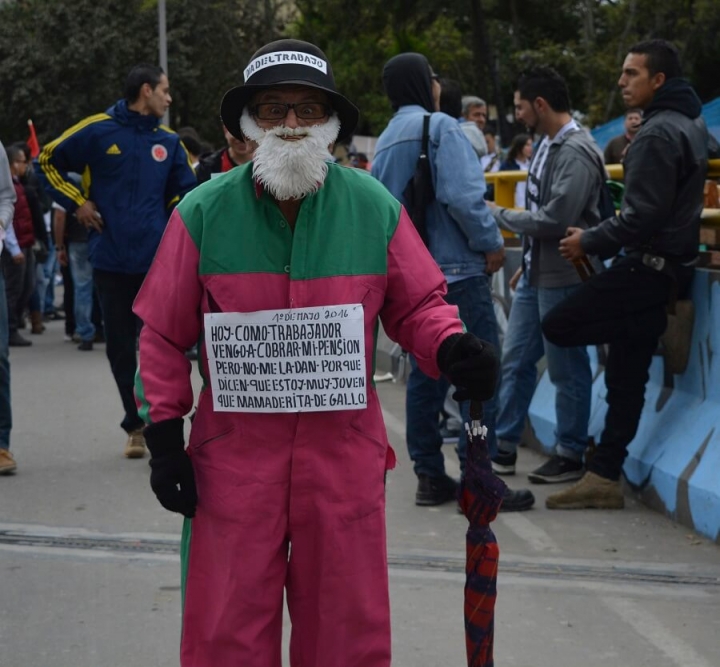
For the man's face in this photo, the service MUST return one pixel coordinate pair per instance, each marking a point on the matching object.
(478, 115)
(158, 98)
(525, 112)
(307, 107)
(637, 86)
(241, 151)
(632, 123)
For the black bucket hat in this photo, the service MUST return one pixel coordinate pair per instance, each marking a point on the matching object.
(287, 61)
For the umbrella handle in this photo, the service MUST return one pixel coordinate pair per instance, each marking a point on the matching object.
(476, 410)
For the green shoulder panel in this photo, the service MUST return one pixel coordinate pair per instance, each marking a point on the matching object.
(343, 229)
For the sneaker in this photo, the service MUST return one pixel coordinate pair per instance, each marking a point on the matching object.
(503, 463)
(16, 340)
(7, 463)
(435, 490)
(517, 500)
(557, 469)
(135, 446)
(591, 492)
(85, 346)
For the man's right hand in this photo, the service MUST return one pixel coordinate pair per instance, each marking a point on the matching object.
(494, 260)
(89, 216)
(19, 258)
(172, 478)
(62, 257)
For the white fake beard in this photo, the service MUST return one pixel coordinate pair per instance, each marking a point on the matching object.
(291, 169)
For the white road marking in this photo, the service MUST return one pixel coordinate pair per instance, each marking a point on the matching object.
(645, 624)
(526, 530)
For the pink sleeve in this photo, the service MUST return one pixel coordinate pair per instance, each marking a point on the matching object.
(415, 315)
(169, 306)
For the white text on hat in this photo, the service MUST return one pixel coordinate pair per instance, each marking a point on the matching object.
(285, 58)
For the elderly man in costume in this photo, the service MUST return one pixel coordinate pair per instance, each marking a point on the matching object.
(283, 491)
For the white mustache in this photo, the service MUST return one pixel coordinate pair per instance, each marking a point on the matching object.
(282, 131)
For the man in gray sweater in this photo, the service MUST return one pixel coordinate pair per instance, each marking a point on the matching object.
(7, 210)
(563, 190)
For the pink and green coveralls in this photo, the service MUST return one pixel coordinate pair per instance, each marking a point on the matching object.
(290, 502)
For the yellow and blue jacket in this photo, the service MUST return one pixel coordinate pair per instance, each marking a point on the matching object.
(133, 168)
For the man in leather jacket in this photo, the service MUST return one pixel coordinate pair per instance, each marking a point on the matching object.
(657, 229)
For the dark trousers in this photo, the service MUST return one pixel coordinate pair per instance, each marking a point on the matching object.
(626, 308)
(117, 291)
(19, 285)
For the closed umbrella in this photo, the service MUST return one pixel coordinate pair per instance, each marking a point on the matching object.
(481, 494)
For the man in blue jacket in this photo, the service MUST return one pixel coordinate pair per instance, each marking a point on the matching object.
(464, 241)
(134, 172)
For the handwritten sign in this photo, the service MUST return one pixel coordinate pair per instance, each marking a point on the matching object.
(296, 360)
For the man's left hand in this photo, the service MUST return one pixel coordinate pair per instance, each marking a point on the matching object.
(471, 364)
(570, 247)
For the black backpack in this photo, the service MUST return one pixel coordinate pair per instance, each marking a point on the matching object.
(419, 192)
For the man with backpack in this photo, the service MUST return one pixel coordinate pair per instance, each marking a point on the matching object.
(462, 238)
(565, 180)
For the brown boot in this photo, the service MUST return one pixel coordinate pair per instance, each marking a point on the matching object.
(36, 321)
(590, 492)
(135, 445)
(7, 462)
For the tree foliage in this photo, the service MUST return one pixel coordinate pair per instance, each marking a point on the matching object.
(62, 61)
(485, 44)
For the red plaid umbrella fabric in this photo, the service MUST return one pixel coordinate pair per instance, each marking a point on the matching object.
(481, 494)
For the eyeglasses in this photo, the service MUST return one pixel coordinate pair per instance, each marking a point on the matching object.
(279, 110)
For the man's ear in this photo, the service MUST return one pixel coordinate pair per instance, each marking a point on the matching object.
(658, 80)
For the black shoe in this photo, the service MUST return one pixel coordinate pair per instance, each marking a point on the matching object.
(517, 501)
(435, 490)
(503, 463)
(85, 346)
(16, 340)
(557, 469)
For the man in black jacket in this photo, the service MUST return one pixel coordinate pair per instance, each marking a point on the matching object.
(658, 230)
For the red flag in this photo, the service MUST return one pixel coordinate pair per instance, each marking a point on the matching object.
(33, 141)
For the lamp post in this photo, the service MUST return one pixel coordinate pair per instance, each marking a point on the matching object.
(162, 40)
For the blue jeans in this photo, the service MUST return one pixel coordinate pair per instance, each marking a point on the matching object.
(82, 275)
(50, 267)
(5, 406)
(568, 369)
(425, 396)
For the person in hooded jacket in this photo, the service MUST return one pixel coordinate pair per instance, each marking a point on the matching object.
(464, 241)
(135, 171)
(658, 232)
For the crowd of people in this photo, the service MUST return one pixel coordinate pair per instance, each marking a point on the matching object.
(150, 255)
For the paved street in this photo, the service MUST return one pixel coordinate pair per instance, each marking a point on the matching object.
(90, 571)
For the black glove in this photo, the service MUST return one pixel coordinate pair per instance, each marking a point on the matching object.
(471, 364)
(171, 467)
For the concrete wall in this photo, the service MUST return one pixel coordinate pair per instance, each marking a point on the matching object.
(674, 461)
